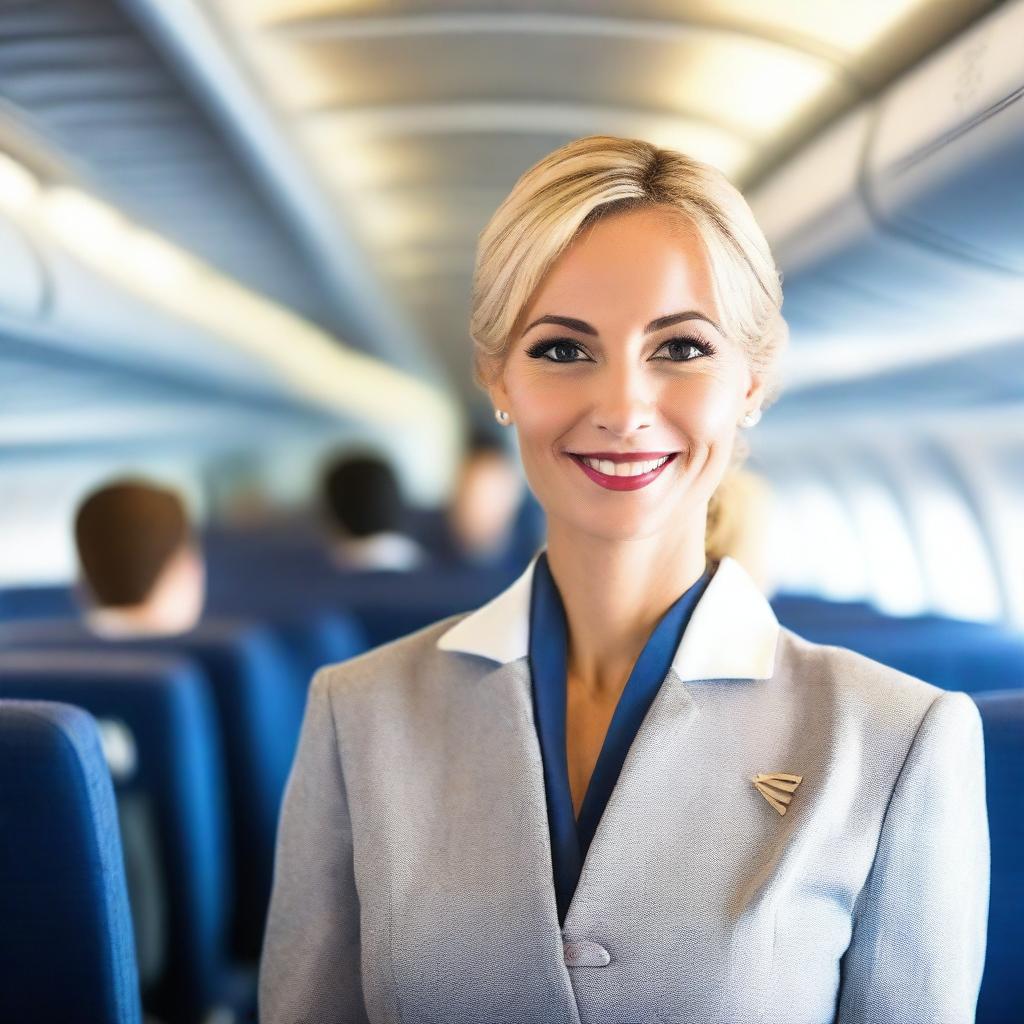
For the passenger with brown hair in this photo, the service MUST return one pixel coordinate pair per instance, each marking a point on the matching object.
(140, 567)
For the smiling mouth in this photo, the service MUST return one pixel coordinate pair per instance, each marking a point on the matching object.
(627, 475)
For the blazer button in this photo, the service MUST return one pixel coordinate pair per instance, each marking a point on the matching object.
(583, 953)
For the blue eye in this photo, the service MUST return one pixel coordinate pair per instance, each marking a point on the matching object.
(554, 344)
(686, 344)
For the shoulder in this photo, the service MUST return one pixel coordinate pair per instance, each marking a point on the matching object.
(859, 693)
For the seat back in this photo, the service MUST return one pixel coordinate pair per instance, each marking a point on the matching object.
(37, 602)
(1002, 987)
(955, 654)
(173, 772)
(66, 950)
(259, 700)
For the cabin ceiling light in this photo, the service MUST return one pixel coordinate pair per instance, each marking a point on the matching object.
(19, 187)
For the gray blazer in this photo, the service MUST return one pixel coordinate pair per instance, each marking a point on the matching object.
(414, 882)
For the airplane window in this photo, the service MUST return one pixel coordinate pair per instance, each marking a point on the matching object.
(957, 564)
(35, 541)
(895, 584)
(1007, 486)
(830, 542)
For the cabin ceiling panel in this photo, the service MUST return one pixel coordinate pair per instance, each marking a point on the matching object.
(419, 119)
(690, 74)
(833, 27)
(479, 159)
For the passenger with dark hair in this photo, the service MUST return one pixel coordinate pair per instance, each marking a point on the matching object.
(140, 566)
(366, 514)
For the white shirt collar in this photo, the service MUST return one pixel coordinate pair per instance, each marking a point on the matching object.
(732, 632)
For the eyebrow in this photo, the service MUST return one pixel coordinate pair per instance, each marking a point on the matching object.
(655, 325)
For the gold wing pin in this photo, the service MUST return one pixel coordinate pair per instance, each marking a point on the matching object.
(777, 788)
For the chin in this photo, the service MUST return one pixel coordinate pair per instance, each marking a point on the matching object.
(617, 528)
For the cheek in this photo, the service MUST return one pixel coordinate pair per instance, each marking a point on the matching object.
(541, 409)
(704, 409)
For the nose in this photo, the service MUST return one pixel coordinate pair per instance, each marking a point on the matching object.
(623, 400)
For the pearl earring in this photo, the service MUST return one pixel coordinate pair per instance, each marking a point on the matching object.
(751, 418)
(502, 417)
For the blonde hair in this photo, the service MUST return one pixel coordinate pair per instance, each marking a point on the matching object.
(737, 522)
(571, 188)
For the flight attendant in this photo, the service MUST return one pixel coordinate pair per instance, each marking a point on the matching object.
(620, 791)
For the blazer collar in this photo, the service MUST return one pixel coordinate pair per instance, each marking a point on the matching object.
(732, 632)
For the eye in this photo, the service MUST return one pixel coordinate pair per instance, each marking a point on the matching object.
(561, 345)
(685, 346)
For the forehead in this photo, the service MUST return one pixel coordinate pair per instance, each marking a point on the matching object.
(628, 267)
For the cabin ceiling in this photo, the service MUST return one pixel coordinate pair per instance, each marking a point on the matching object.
(79, 76)
(419, 118)
(410, 122)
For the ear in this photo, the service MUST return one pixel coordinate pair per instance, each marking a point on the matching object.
(498, 394)
(755, 391)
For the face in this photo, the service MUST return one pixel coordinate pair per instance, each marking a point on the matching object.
(621, 380)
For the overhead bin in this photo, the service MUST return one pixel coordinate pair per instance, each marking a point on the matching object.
(910, 210)
(946, 163)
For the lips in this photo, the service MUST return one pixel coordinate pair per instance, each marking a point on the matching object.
(624, 483)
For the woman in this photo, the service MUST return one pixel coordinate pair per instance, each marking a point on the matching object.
(620, 791)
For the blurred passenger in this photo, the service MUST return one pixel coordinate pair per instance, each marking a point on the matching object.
(142, 574)
(367, 515)
(140, 565)
(738, 520)
(486, 504)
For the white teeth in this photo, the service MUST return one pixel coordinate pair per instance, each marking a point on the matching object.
(610, 468)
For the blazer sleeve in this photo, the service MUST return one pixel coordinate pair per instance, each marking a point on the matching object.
(310, 966)
(917, 948)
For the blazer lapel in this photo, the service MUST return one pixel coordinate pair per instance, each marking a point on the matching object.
(653, 791)
(518, 783)
(506, 808)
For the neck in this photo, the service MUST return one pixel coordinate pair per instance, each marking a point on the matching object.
(614, 593)
(149, 618)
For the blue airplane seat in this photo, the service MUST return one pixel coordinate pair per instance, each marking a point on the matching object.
(259, 703)
(390, 605)
(952, 653)
(316, 639)
(806, 614)
(164, 750)
(319, 638)
(952, 656)
(1002, 987)
(971, 664)
(384, 604)
(66, 949)
(47, 602)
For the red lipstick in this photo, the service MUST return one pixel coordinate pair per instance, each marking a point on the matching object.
(623, 483)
